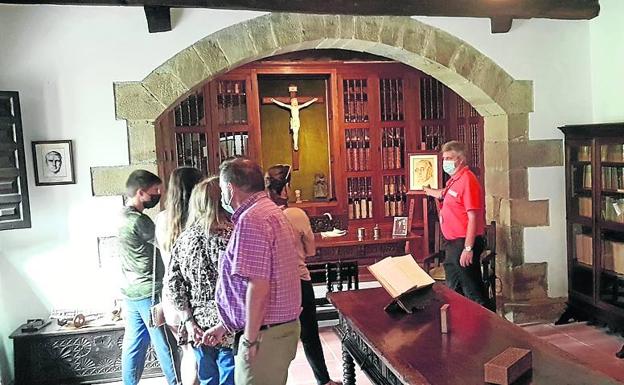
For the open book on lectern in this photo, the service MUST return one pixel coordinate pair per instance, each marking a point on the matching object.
(406, 282)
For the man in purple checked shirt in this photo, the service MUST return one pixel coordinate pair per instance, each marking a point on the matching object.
(258, 295)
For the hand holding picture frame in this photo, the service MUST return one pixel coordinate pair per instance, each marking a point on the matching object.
(53, 161)
(424, 170)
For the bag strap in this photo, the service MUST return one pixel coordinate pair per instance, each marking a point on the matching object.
(154, 275)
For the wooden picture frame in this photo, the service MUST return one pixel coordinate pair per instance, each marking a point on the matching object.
(53, 162)
(400, 227)
(423, 169)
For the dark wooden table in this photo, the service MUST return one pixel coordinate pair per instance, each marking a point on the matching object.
(57, 355)
(409, 349)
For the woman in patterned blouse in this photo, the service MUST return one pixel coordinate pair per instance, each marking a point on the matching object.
(192, 280)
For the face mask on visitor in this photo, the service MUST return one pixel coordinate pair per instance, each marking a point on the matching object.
(449, 166)
(227, 205)
(154, 199)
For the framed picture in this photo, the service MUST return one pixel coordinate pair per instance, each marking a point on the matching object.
(54, 162)
(399, 229)
(424, 170)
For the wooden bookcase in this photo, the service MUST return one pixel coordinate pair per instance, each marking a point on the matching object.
(377, 112)
(594, 164)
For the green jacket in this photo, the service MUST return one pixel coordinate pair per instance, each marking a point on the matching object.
(136, 238)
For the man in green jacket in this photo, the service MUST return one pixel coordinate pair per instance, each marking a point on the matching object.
(136, 238)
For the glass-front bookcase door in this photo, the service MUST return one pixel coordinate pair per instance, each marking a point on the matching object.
(580, 216)
(611, 225)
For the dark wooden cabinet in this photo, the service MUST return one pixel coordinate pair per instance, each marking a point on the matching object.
(594, 164)
(55, 356)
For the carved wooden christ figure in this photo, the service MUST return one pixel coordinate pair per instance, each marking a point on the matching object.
(294, 107)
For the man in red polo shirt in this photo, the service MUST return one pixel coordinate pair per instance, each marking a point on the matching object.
(462, 223)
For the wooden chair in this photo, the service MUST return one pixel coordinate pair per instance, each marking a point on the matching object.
(335, 277)
(320, 223)
(433, 262)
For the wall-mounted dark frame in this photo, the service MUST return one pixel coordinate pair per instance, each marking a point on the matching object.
(14, 202)
(65, 152)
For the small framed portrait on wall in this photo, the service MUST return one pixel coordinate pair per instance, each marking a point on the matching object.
(399, 229)
(423, 170)
(54, 162)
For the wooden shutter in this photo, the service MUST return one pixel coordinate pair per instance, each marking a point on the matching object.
(14, 206)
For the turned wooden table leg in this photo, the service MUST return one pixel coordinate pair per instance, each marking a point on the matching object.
(348, 367)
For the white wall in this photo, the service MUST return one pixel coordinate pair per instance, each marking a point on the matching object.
(607, 65)
(64, 60)
(555, 56)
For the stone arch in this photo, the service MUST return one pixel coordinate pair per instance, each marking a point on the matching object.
(503, 101)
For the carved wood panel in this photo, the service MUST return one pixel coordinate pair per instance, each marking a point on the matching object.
(74, 357)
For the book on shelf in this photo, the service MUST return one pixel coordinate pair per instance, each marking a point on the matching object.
(584, 251)
(613, 256)
(406, 282)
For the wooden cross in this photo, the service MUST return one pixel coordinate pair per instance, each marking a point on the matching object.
(292, 90)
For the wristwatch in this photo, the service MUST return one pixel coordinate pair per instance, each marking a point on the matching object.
(467, 248)
(248, 344)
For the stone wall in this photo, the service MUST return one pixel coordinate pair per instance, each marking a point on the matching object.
(504, 102)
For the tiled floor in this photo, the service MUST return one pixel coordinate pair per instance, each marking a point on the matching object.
(300, 372)
(590, 344)
(593, 345)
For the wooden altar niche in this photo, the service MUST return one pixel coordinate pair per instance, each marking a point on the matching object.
(377, 111)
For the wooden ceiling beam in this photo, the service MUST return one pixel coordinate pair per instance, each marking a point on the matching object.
(158, 18)
(519, 9)
(500, 24)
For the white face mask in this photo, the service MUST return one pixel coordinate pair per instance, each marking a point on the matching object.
(227, 204)
(449, 166)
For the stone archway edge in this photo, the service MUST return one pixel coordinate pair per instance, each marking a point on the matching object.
(454, 62)
(503, 101)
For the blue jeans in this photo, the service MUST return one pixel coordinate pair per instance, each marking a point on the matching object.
(215, 366)
(137, 337)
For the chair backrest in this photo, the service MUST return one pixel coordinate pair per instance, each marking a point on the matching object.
(336, 276)
(320, 223)
(488, 265)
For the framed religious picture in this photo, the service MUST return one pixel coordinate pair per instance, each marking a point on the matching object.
(399, 229)
(424, 170)
(54, 162)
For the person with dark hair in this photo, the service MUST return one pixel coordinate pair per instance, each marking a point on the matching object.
(258, 295)
(192, 279)
(462, 223)
(142, 281)
(169, 225)
(277, 181)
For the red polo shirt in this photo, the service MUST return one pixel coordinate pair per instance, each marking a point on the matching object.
(461, 194)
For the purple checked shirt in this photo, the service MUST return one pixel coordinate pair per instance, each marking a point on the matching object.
(262, 245)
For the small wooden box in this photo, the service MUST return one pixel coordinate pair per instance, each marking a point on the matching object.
(508, 366)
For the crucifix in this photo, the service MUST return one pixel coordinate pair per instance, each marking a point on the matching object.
(294, 104)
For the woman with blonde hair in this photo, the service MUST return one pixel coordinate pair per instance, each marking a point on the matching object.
(169, 224)
(192, 279)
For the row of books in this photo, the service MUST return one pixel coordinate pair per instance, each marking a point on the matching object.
(355, 101)
(585, 206)
(612, 178)
(391, 98)
(395, 197)
(584, 250)
(612, 153)
(613, 256)
(613, 209)
(360, 198)
(392, 144)
(358, 149)
(612, 253)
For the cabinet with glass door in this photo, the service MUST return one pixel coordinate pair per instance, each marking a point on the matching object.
(595, 222)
